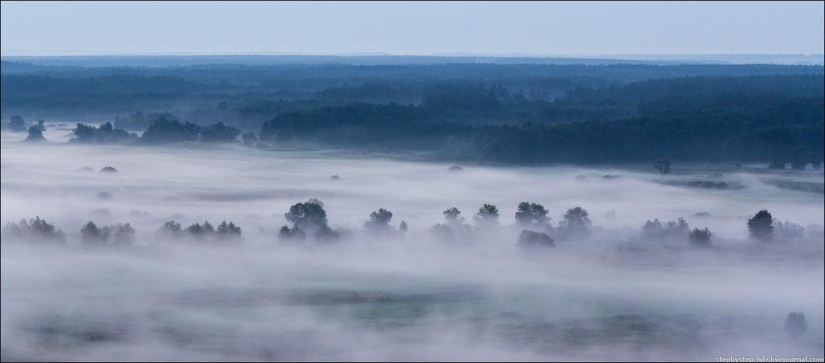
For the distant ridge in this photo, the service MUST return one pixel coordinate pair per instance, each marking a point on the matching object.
(190, 60)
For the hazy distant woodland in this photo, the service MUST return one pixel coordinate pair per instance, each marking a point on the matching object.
(501, 111)
(410, 208)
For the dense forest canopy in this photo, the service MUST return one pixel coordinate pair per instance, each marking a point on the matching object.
(499, 110)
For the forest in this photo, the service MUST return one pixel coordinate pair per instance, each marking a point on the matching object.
(495, 112)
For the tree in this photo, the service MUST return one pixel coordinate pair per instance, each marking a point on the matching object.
(789, 230)
(17, 124)
(228, 231)
(663, 165)
(379, 220)
(531, 214)
(35, 134)
(124, 235)
(761, 226)
(403, 226)
(671, 229)
(199, 231)
(699, 237)
(453, 215)
(41, 125)
(576, 223)
(93, 236)
(170, 229)
(530, 239)
(487, 214)
(795, 324)
(309, 215)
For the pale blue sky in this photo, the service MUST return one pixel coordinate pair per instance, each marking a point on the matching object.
(424, 28)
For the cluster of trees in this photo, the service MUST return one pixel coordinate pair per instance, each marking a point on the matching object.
(161, 130)
(531, 217)
(115, 236)
(103, 134)
(18, 124)
(225, 232)
(668, 230)
(763, 227)
(676, 230)
(36, 230)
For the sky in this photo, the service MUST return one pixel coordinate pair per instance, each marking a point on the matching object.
(412, 28)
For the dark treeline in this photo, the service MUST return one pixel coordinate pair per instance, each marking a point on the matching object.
(707, 119)
(77, 91)
(505, 113)
(159, 131)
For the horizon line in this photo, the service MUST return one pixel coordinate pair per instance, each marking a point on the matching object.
(381, 54)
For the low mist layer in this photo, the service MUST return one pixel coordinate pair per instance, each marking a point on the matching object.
(620, 291)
